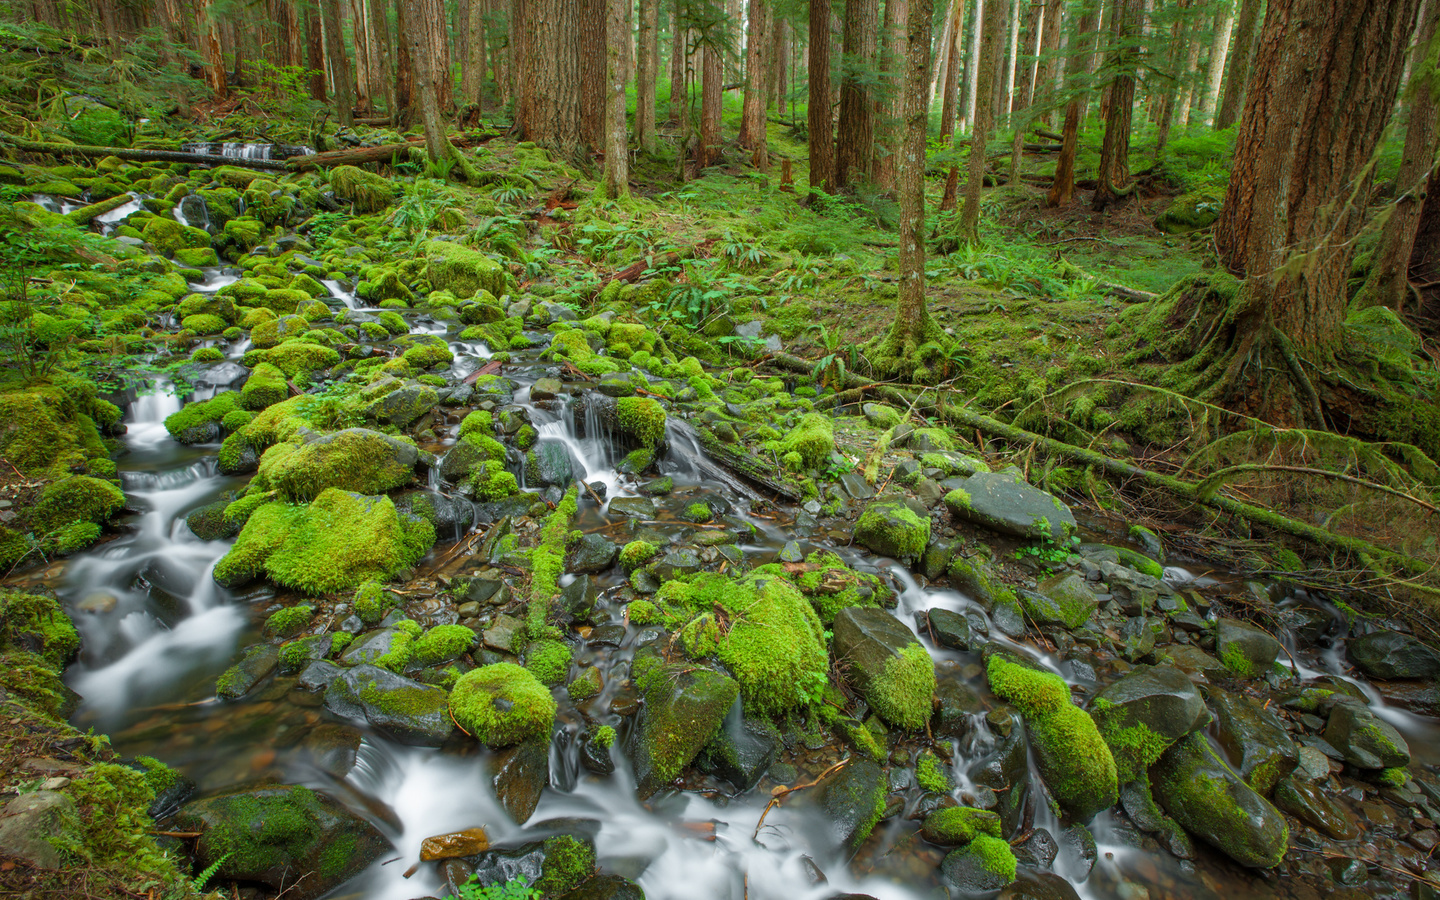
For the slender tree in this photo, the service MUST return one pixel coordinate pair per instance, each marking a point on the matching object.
(712, 81)
(1215, 68)
(988, 73)
(950, 50)
(1026, 79)
(423, 58)
(1113, 181)
(1077, 77)
(899, 350)
(821, 129)
(1187, 73)
(1247, 29)
(890, 121)
(472, 76)
(752, 117)
(647, 59)
(856, 137)
(315, 54)
(615, 182)
(679, 50)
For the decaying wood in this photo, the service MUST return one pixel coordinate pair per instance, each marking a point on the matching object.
(129, 155)
(746, 466)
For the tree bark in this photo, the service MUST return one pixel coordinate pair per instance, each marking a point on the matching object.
(422, 57)
(1183, 102)
(366, 76)
(898, 352)
(950, 49)
(1389, 283)
(646, 72)
(1043, 94)
(752, 116)
(891, 120)
(1012, 63)
(678, 51)
(821, 131)
(339, 65)
(616, 180)
(472, 78)
(1215, 69)
(993, 36)
(592, 72)
(1113, 177)
(1062, 190)
(856, 139)
(315, 55)
(552, 55)
(1026, 79)
(208, 31)
(712, 82)
(1247, 30)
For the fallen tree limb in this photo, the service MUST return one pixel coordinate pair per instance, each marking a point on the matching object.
(631, 273)
(746, 466)
(195, 159)
(1184, 490)
(356, 156)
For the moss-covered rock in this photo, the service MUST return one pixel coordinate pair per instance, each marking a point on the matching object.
(44, 432)
(462, 271)
(892, 528)
(405, 710)
(368, 192)
(79, 498)
(1071, 755)
(853, 799)
(199, 422)
(684, 706)
(168, 235)
(337, 542)
(642, 419)
(265, 386)
(1198, 790)
(270, 834)
(502, 704)
(955, 825)
(890, 668)
(982, 866)
(1190, 212)
(813, 438)
(355, 459)
(1143, 713)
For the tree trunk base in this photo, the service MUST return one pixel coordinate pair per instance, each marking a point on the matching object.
(917, 351)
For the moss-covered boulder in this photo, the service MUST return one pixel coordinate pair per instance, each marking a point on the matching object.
(641, 419)
(685, 706)
(199, 422)
(502, 704)
(887, 664)
(1245, 650)
(269, 333)
(208, 522)
(337, 542)
(981, 867)
(813, 439)
(462, 271)
(1069, 752)
(1199, 791)
(1004, 502)
(368, 192)
(956, 825)
(44, 432)
(1389, 654)
(403, 406)
(355, 459)
(405, 710)
(265, 386)
(168, 235)
(891, 528)
(1062, 599)
(78, 498)
(1190, 212)
(289, 838)
(1145, 712)
(853, 799)
(1364, 739)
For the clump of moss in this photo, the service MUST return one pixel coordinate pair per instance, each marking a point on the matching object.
(813, 438)
(442, 644)
(355, 459)
(604, 737)
(265, 387)
(931, 775)
(547, 561)
(568, 863)
(957, 825)
(36, 623)
(698, 512)
(641, 418)
(995, 856)
(548, 660)
(199, 422)
(775, 646)
(502, 704)
(402, 646)
(79, 498)
(290, 621)
(642, 612)
(1072, 757)
(636, 554)
(112, 800)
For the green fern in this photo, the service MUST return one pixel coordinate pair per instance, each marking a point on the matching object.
(199, 881)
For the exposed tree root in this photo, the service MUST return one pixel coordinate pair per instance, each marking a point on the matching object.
(914, 351)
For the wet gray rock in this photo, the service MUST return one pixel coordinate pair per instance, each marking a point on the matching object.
(519, 774)
(548, 463)
(332, 748)
(299, 653)
(546, 389)
(742, 751)
(1308, 803)
(964, 871)
(634, 507)
(451, 516)
(577, 599)
(460, 460)
(1200, 792)
(955, 703)
(605, 887)
(1365, 740)
(851, 798)
(35, 824)
(868, 640)
(318, 675)
(1038, 850)
(936, 559)
(1255, 740)
(1005, 768)
(1038, 886)
(684, 708)
(506, 634)
(403, 405)
(313, 838)
(259, 660)
(1419, 697)
(208, 522)
(1244, 649)
(856, 486)
(1389, 654)
(677, 563)
(591, 554)
(595, 758)
(1077, 851)
(1004, 502)
(1160, 699)
(950, 629)
(406, 710)
(369, 647)
(1062, 599)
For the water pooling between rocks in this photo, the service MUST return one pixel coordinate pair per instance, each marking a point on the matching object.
(158, 633)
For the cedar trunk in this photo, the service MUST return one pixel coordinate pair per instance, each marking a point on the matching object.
(1077, 74)
(712, 78)
(822, 146)
(856, 140)
(891, 120)
(592, 72)
(616, 180)
(339, 64)
(1113, 178)
(1247, 29)
(422, 58)
(552, 64)
(315, 55)
(646, 70)
(472, 78)
(991, 39)
(752, 117)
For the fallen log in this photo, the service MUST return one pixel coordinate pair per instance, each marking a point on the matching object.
(1186, 491)
(84, 214)
(765, 474)
(129, 155)
(357, 156)
(631, 273)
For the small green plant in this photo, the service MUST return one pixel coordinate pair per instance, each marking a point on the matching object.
(1048, 550)
(517, 888)
(199, 881)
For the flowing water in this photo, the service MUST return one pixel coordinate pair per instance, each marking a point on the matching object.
(157, 631)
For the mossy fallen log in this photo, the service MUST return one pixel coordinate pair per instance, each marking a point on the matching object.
(129, 155)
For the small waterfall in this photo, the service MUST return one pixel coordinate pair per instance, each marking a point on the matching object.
(215, 279)
(242, 150)
(346, 297)
(145, 422)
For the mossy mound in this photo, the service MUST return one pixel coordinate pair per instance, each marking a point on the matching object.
(892, 528)
(642, 419)
(369, 193)
(78, 498)
(685, 706)
(356, 459)
(813, 438)
(502, 704)
(265, 387)
(45, 432)
(462, 271)
(1072, 757)
(199, 423)
(337, 542)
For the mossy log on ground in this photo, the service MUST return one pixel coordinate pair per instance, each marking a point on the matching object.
(746, 466)
(1187, 491)
(198, 159)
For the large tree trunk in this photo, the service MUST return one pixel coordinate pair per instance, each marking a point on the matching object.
(967, 112)
(1215, 69)
(1425, 257)
(315, 55)
(1247, 29)
(592, 72)
(339, 64)
(1389, 283)
(712, 79)
(1026, 79)
(898, 352)
(752, 117)
(422, 58)
(405, 91)
(553, 70)
(208, 31)
(616, 180)
(366, 76)
(646, 72)
(1183, 102)
(1326, 76)
(1042, 95)
(1113, 178)
(891, 120)
(1062, 190)
(992, 39)
(822, 143)
(856, 140)
(472, 78)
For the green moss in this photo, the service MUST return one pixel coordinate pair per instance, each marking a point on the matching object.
(442, 644)
(265, 387)
(698, 512)
(643, 612)
(775, 646)
(891, 527)
(352, 460)
(548, 660)
(931, 775)
(995, 855)
(813, 438)
(462, 271)
(238, 513)
(368, 192)
(45, 432)
(568, 863)
(1135, 746)
(586, 685)
(402, 646)
(604, 737)
(255, 832)
(1236, 661)
(502, 704)
(339, 641)
(112, 800)
(206, 355)
(636, 554)
(700, 636)
(290, 621)
(1073, 758)
(479, 422)
(188, 425)
(336, 543)
(956, 825)
(904, 693)
(37, 624)
(547, 561)
(497, 486)
(641, 418)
